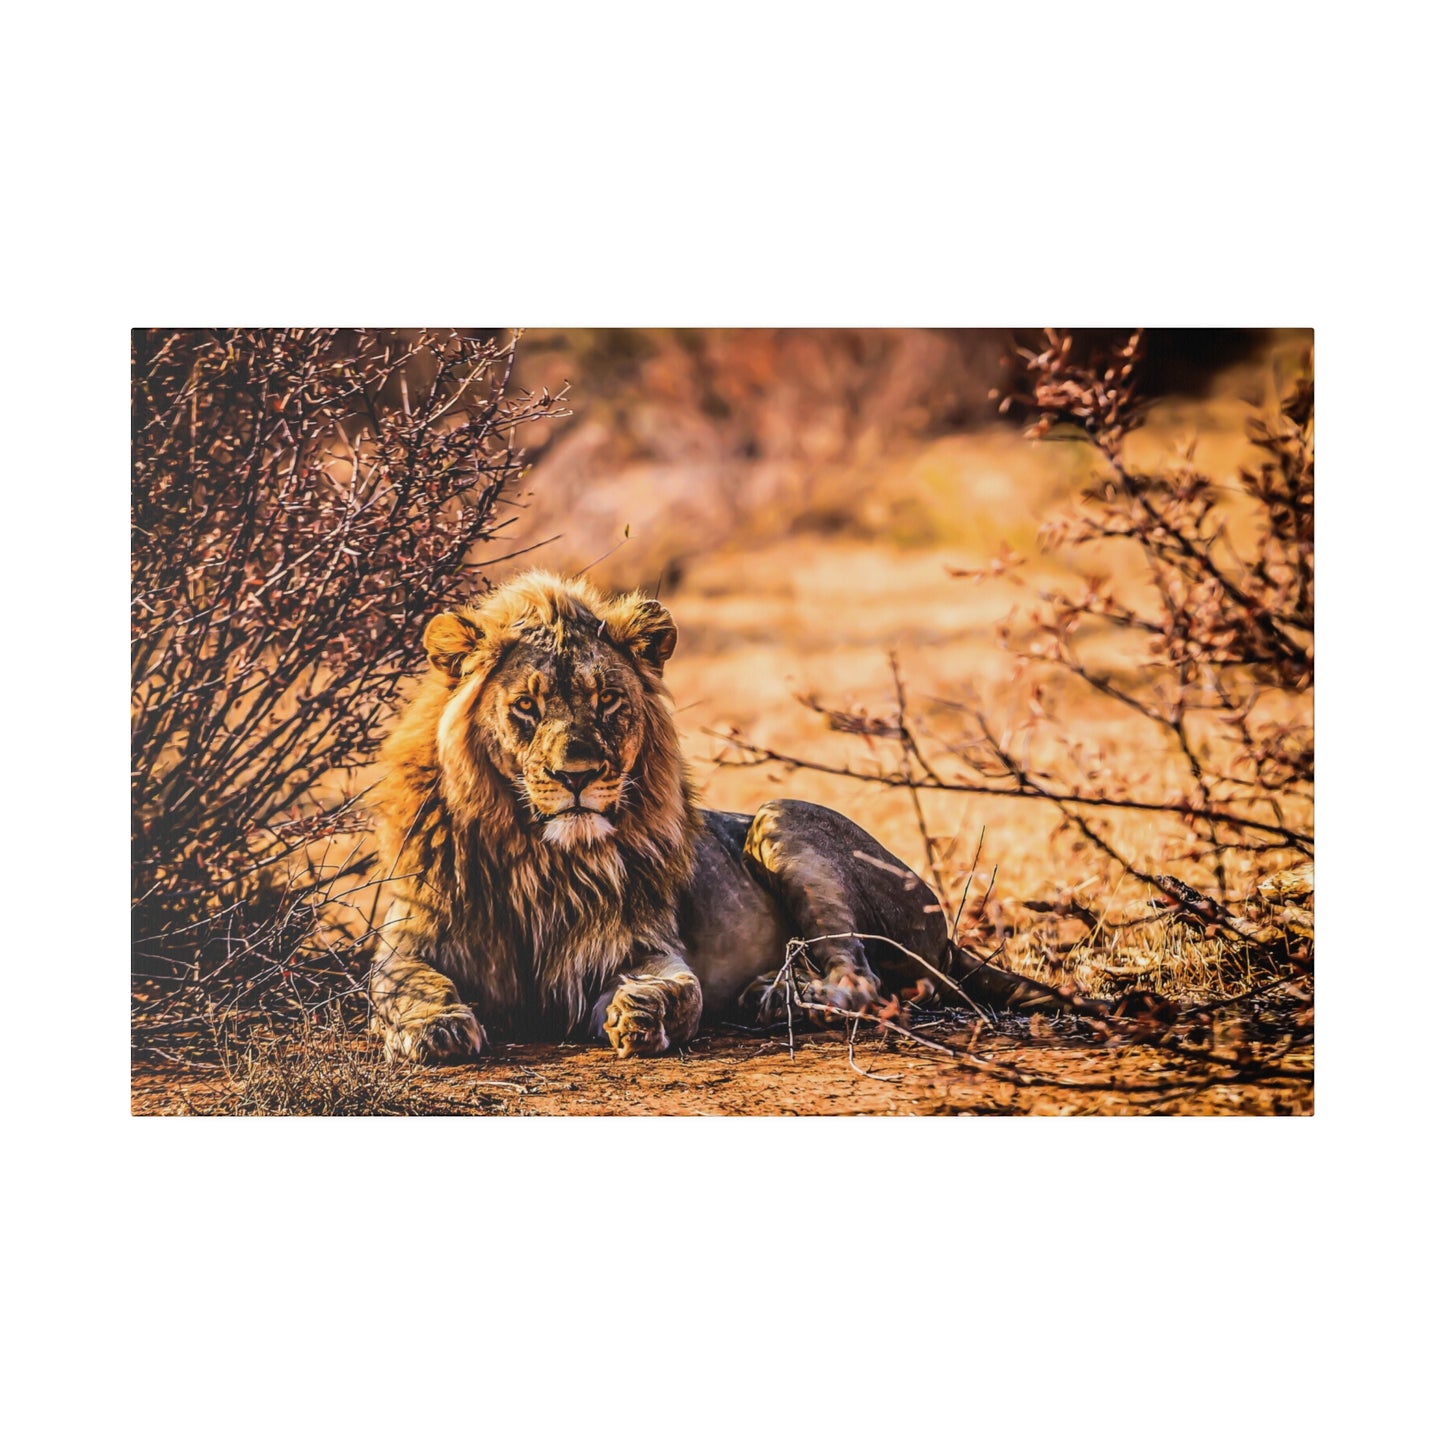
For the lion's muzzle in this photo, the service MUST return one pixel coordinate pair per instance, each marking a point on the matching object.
(573, 804)
(575, 780)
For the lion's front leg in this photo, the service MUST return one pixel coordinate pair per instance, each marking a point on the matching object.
(652, 1009)
(420, 1014)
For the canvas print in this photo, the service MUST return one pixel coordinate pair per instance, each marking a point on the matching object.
(722, 721)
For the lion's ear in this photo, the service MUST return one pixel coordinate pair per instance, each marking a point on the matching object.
(449, 639)
(646, 626)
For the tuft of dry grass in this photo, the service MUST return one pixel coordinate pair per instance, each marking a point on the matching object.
(1157, 957)
(322, 1068)
(1182, 946)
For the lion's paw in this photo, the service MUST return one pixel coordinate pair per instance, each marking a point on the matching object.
(811, 1000)
(843, 988)
(634, 1023)
(449, 1034)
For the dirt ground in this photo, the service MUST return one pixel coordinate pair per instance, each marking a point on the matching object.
(1017, 1068)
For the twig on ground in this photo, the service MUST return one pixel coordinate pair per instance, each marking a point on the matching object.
(858, 1069)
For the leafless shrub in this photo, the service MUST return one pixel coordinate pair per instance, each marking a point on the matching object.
(1221, 622)
(1194, 616)
(301, 501)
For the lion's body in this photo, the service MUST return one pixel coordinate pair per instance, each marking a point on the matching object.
(552, 874)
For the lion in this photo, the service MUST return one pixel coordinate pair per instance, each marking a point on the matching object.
(553, 873)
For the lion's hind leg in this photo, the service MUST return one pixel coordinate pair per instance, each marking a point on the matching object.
(859, 909)
(804, 854)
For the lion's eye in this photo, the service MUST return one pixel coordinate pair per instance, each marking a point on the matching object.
(525, 707)
(610, 701)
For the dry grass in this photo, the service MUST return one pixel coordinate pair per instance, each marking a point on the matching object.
(321, 1067)
(1158, 957)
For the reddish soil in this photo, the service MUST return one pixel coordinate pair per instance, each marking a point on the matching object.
(993, 1072)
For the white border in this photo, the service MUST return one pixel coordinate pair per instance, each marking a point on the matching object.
(787, 164)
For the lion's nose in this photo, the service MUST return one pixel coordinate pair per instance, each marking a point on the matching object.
(576, 780)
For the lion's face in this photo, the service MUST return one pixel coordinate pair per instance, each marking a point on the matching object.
(555, 700)
(567, 729)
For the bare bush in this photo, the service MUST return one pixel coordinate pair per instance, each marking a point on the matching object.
(1193, 615)
(1224, 613)
(302, 500)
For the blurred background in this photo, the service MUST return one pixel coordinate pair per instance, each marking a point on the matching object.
(710, 441)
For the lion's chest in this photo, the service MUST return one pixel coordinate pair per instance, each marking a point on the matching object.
(535, 946)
